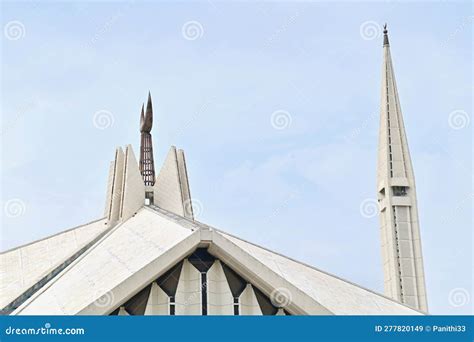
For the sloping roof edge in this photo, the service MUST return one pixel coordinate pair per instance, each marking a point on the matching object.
(51, 236)
(319, 270)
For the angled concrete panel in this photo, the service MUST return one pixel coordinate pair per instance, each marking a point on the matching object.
(108, 195)
(184, 184)
(132, 255)
(117, 187)
(309, 290)
(23, 267)
(167, 189)
(133, 190)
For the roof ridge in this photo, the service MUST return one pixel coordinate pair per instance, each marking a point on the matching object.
(173, 216)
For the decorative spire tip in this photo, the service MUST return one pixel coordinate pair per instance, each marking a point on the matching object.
(385, 35)
(148, 117)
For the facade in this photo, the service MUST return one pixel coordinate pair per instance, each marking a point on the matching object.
(148, 255)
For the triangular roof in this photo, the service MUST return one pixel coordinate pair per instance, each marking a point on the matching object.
(135, 252)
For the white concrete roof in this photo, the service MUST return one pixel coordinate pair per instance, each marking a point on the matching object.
(134, 253)
(122, 254)
(24, 266)
(338, 296)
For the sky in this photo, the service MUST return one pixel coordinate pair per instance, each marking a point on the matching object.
(276, 105)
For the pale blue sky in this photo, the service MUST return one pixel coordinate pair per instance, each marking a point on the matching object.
(297, 190)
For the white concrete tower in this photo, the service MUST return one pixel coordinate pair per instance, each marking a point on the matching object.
(404, 278)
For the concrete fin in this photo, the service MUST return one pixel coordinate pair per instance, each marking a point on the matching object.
(117, 186)
(184, 182)
(108, 195)
(133, 190)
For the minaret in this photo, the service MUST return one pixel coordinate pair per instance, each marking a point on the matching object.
(404, 278)
(147, 167)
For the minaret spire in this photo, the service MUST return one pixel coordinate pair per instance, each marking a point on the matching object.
(147, 167)
(385, 35)
(404, 278)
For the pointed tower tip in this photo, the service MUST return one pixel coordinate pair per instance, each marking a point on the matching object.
(148, 122)
(385, 35)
